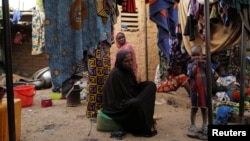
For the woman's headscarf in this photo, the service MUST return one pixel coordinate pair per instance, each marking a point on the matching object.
(121, 55)
(126, 46)
(116, 42)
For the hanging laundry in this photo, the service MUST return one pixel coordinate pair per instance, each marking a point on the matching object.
(128, 6)
(16, 16)
(101, 10)
(78, 13)
(219, 34)
(214, 18)
(38, 39)
(112, 8)
(224, 14)
(242, 7)
(98, 69)
(66, 42)
(165, 15)
(192, 18)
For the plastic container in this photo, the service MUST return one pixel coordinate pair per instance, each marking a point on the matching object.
(105, 123)
(2, 93)
(47, 102)
(4, 129)
(25, 93)
(55, 96)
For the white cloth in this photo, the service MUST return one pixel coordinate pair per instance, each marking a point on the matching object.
(226, 80)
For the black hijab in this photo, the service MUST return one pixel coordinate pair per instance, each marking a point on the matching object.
(128, 103)
(121, 55)
(120, 85)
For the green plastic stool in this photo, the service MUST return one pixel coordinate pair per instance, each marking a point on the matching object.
(105, 123)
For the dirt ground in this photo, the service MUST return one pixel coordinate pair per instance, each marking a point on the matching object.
(63, 123)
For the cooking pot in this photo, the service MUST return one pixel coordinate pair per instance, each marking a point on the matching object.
(44, 75)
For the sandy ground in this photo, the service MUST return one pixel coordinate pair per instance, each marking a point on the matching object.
(62, 123)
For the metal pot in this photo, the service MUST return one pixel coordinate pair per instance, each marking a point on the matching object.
(46, 76)
(43, 74)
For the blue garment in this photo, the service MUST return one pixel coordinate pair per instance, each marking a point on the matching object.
(166, 24)
(64, 44)
(16, 16)
(222, 115)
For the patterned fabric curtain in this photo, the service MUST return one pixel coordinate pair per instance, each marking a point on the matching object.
(38, 39)
(164, 13)
(71, 27)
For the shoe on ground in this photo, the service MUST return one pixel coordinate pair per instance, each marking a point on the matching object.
(192, 131)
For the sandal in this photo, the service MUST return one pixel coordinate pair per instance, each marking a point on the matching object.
(118, 134)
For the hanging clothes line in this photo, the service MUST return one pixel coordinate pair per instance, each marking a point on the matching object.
(219, 33)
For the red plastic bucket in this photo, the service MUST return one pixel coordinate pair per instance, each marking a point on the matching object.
(25, 93)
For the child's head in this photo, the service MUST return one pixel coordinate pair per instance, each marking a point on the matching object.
(196, 52)
(220, 70)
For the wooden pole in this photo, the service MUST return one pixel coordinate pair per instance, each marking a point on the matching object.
(146, 41)
(8, 70)
(208, 64)
(242, 73)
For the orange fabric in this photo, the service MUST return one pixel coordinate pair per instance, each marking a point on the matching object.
(172, 83)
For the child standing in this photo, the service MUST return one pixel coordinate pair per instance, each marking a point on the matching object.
(196, 71)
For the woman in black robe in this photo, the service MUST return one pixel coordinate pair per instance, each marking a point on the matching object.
(130, 104)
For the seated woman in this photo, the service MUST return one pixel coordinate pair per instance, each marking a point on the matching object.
(130, 104)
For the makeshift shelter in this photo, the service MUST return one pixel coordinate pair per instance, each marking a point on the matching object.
(9, 77)
(214, 25)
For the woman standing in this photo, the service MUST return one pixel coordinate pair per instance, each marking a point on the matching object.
(121, 44)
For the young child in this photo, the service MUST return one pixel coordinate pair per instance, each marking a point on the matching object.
(198, 91)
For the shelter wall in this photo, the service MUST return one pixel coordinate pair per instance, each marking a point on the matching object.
(24, 63)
